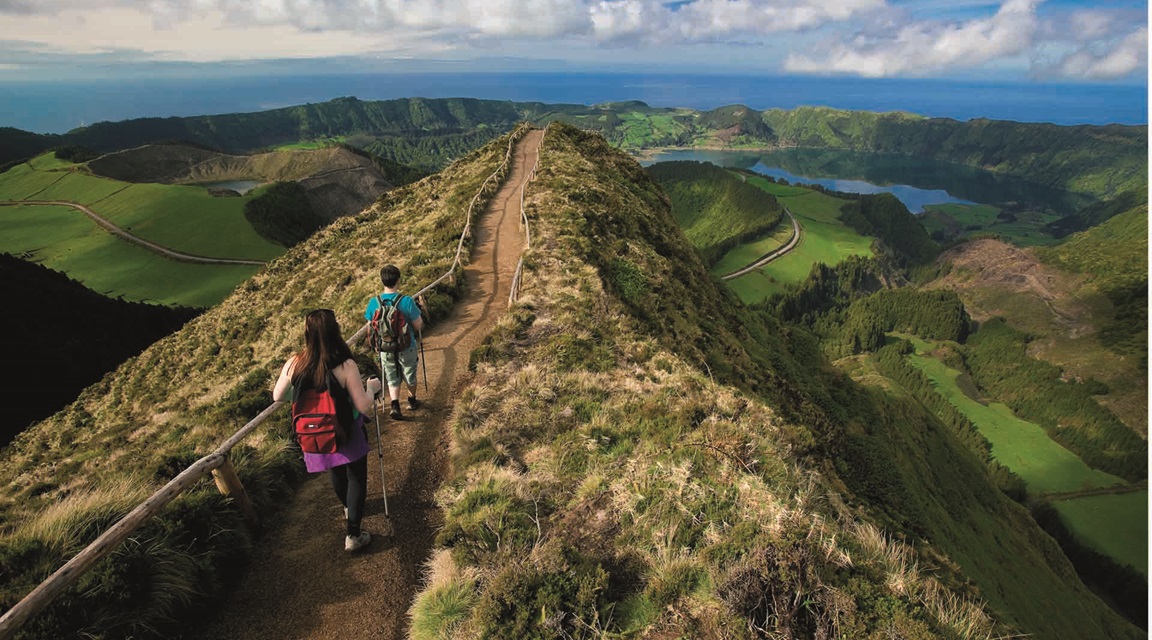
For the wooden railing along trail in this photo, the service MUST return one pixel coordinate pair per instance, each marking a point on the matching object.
(216, 463)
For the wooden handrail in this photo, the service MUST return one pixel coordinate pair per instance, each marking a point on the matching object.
(516, 277)
(41, 596)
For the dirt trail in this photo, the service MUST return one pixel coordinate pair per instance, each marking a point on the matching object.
(302, 584)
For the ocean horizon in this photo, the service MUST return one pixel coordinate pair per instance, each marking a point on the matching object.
(58, 107)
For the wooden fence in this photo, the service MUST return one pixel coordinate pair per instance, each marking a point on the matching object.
(216, 463)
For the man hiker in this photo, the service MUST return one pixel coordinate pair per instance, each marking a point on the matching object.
(398, 360)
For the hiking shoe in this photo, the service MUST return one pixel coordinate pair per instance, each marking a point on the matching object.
(395, 412)
(354, 543)
(413, 403)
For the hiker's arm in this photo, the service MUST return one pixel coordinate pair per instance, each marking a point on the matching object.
(349, 376)
(283, 388)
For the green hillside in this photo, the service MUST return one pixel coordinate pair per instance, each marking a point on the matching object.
(638, 455)
(717, 209)
(1089, 160)
(673, 472)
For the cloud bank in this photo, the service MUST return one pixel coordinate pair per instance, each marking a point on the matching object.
(871, 38)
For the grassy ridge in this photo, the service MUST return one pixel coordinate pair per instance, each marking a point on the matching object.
(637, 465)
(66, 479)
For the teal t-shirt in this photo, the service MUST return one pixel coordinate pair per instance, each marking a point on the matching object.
(407, 307)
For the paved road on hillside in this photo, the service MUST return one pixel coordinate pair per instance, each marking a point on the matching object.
(774, 254)
(134, 239)
(302, 583)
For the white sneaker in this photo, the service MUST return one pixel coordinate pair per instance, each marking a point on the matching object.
(358, 542)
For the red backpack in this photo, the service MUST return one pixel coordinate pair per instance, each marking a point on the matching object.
(315, 418)
(388, 328)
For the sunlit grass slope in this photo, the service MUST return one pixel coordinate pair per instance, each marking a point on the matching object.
(182, 218)
(65, 480)
(618, 473)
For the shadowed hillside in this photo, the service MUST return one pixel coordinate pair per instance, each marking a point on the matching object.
(67, 336)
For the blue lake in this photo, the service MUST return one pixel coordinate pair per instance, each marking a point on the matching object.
(240, 186)
(916, 182)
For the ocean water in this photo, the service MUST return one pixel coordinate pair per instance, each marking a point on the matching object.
(47, 107)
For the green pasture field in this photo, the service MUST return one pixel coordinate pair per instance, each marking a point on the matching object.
(1116, 525)
(640, 129)
(81, 188)
(1113, 524)
(23, 182)
(1025, 231)
(63, 239)
(778, 190)
(49, 161)
(746, 254)
(188, 219)
(823, 239)
(1022, 446)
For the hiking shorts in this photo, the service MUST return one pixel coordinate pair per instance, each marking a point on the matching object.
(409, 358)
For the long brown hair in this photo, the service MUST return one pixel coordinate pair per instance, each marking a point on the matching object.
(324, 349)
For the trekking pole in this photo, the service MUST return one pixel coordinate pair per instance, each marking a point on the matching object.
(380, 452)
(423, 362)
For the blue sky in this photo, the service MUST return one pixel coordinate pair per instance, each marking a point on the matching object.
(1013, 40)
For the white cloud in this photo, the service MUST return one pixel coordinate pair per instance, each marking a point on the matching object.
(863, 37)
(926, 48)
(1104, 63)
(1087, 44)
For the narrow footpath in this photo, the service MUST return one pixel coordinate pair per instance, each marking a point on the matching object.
(302, 584)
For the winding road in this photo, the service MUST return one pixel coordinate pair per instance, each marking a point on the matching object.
(134, 239)
(775, 253)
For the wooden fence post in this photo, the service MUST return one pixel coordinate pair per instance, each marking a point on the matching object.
(229, 484)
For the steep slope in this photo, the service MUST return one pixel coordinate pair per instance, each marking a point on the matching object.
(66, 479)
(641, 455)
(637, 453)
(67, 336)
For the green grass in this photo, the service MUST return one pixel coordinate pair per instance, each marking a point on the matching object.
(22, 182)
(49, 161)
(182, 218)
(189, 219)
(1022, 446)
(1115, 525)
(640, 129)
(61, 238)
(824, 239)
(778, 190)
(964, 220)
(746, 254)
(81, 188)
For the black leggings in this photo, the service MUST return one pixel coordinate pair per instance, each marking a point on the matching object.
(351, 484)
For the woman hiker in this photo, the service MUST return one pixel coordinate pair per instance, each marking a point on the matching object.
(326, 357)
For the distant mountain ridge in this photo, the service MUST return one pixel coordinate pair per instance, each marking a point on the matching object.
(1096, 160)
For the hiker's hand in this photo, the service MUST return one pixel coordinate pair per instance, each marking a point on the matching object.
(374, 387)
(420, 303)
